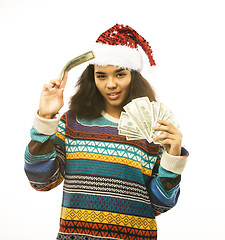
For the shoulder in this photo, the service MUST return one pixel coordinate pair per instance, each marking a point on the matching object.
(68, 115)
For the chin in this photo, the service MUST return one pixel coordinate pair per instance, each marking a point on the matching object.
(115, 104)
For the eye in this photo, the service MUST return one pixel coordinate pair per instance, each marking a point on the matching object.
(100, 76)
(120, 75)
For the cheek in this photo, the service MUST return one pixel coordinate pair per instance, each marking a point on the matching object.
(126, 85)
(98, 85)
(101, 87)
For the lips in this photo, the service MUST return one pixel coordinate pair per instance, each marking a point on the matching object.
(113, 95)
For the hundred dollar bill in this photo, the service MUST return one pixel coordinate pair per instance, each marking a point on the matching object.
(140, 116)
(164, 113)
(156, 108)
(128, 133)
(134, 113)
(128, 125)
(144, 107)
(77, 61)
(134, 137)
(170, 117)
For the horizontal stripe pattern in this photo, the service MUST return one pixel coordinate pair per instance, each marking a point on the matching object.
(108, 190)
(109, 149)
(95, 231)
(108, 218)
(106, 186)
(109, 159)
(89, 167)
(52, 182)
(107, 203)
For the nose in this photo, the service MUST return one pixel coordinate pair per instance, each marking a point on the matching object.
(111, 83)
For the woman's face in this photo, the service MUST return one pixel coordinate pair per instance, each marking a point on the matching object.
(114, 85)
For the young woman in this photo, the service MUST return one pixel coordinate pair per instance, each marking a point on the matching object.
(113, 188)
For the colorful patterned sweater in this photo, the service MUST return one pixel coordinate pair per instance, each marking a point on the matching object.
(113, 188)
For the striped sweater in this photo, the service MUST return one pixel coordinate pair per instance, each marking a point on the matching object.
(113, 188)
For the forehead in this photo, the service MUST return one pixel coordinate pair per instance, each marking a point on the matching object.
(107, 69)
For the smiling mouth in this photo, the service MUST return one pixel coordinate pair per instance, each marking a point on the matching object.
(113, 95)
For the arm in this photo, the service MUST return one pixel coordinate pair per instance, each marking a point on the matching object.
(45, 154)
(164, 188)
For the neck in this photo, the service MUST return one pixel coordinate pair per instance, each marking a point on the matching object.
(114, 112)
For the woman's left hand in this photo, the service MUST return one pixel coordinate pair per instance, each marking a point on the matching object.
(171, 136)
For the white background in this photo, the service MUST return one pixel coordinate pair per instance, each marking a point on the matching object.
(187, 37)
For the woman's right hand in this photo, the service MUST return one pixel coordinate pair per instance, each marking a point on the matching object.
(52, 97)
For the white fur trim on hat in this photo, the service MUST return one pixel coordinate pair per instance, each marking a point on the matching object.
(117, 55)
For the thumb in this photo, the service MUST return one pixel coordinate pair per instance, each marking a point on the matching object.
(64, 80)
(60, 93)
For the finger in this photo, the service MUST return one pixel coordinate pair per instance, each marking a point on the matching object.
(168, 142)
(55, 83)
(46, 87)
(165, 128)
(64, 80)
(164, 122)
(164, 136)
(172, 144)
(60, 93)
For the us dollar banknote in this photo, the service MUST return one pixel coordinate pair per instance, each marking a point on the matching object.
(77, 61)
(139, 118)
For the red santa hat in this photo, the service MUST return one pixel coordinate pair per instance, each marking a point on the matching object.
(118, 46)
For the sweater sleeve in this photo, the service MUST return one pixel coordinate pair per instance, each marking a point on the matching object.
(45, 154)
(164, 187)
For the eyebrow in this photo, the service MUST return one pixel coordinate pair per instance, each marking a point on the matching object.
(99, 72)
(119, 70)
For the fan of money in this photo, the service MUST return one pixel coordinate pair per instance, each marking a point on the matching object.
(139, 118)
